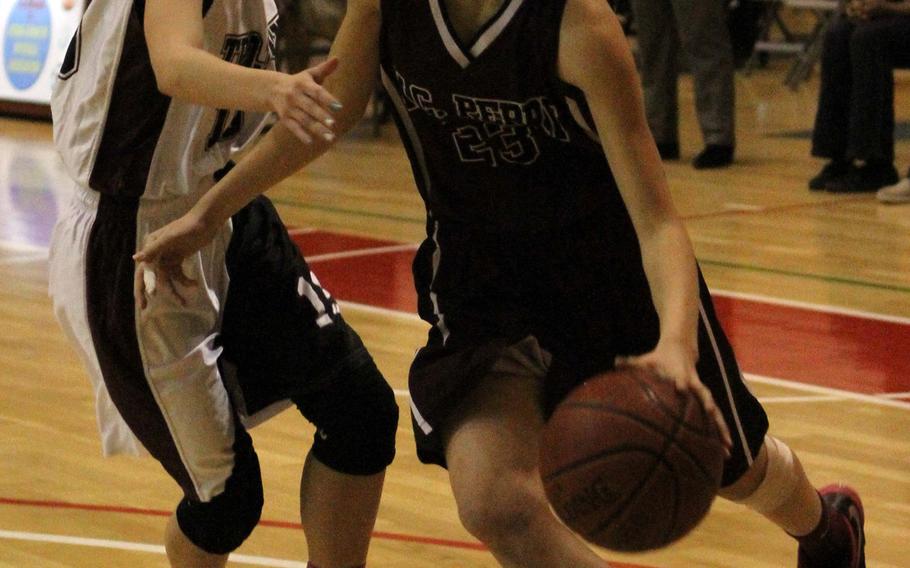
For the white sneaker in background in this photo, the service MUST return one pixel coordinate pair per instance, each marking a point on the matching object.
(897, 193)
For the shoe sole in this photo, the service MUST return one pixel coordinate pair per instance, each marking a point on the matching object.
(852, 508)
(893, 200)
(895, 194)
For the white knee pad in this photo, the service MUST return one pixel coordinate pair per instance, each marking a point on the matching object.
(780, 482)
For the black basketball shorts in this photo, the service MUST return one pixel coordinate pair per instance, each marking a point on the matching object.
(581, 293)
(257, 332)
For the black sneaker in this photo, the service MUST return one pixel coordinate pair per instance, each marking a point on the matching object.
(668, 150)
(833, 170)
(864, 179)
(845, 502)
(713, 156)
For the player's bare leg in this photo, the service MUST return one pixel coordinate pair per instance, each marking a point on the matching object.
(828, 524)
(797, 513)
(338, 512)
(492, 454)
(184, 554)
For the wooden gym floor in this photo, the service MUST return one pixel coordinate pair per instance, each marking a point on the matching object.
(813, 289)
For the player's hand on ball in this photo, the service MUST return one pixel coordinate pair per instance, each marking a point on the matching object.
(675, 362)
(159, 263)
(304, 106)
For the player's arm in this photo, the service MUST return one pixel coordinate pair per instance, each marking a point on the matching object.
(594, 55)
(280, 153)
(186, 71)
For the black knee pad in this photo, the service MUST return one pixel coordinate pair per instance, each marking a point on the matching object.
(222, 524)
(356, 420)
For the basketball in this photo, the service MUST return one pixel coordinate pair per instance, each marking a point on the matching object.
(629, 463)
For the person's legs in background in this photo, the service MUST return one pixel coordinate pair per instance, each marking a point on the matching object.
(829, 135)
(875, 46)
(658, 47)
(706, 41)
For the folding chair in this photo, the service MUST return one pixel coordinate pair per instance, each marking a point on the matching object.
(806, 46)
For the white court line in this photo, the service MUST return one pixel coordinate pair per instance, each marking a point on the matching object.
(304, 231)
(827, 392)
(360, 252)
(379, 310)
(23, 259)
(799, 399)
(22, 247)
(823, 308)
(139, 547)
(33, 253)
(896, 395)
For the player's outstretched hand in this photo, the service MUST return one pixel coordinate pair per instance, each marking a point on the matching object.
(304, 106)
(674, 362)
(159, 263)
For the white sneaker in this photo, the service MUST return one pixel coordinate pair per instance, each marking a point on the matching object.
(897, 193)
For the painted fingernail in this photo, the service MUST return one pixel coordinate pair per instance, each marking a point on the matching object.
(328, 136)
(336, 106)
(330, 122)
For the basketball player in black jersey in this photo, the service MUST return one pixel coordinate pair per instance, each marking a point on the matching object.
(553, 251)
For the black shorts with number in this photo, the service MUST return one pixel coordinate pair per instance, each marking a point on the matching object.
(581, 292)
(255, 333)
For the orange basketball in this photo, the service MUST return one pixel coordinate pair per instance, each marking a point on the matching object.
(629, 463)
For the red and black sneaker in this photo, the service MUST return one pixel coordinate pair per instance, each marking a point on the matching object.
(846, 510)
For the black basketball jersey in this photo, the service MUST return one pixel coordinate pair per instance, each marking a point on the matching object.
(496, 140)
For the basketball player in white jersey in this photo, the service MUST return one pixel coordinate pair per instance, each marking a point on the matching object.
(154, 98)
(553, 252)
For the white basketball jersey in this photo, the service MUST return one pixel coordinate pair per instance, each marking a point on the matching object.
(119, 135)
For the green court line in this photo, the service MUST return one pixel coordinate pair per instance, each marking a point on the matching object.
(820, 277)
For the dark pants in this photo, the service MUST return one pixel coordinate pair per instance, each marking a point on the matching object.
(699, 29)
(855, 119)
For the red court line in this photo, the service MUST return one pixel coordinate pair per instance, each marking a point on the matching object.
(448, 543)
(826, 349)
(314, 243)
(264, 522)
(841, 351)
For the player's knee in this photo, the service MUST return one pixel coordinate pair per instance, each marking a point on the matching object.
(497, 513)
(221, 525)
(359, 437)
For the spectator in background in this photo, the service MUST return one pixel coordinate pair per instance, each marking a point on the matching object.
(854, 127)
(700, 28)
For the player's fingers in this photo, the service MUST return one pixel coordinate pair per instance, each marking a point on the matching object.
(297, 130)
(324, 98)
(724, 430)
(303, 106)
(139, 287)
(308, 86)
(716, 415)
(150, 250)
(313, 127)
